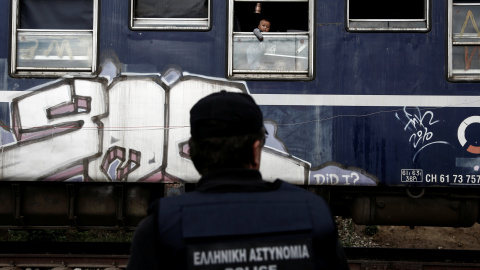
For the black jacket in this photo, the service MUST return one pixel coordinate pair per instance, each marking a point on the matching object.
(235, 219)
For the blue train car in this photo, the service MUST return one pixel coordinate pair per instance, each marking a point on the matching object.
(374, 106)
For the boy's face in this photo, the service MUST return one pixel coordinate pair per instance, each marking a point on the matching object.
(264, 26)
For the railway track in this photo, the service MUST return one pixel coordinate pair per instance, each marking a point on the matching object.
(412, 259)
(62, 261)
(58, 256)
(114, 256)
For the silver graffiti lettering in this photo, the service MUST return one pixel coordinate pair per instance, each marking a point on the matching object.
(88, 130)
(30, 52)
(353, 175)
(356, 178)
(334, 179)
(317, 178)
(65, 46)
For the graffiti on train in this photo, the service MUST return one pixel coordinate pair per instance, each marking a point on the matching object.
(419, 125)
(129, 129)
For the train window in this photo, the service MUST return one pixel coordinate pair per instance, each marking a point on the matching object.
(405, 15)
(464, 40)
(54, 37)
(284, 52)
(170, 14)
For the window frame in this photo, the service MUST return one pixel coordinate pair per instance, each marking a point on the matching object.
(368, 25)
(266, 74)
(451, 76)
(16, 71)
(169, 23)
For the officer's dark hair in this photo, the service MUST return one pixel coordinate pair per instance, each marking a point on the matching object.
(217, 153)
(224, 126)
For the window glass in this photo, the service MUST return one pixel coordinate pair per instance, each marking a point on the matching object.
(370, 9)
(279, 53)
(375, 15)
(170, 14)
(56, 14)
(171, 9)
(285, 51)
(465, 59)
(464, 26)
(284, 16)
(47, 51)
(54, 37)
(464, 40)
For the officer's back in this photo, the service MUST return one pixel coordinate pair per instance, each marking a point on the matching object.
(235, 220)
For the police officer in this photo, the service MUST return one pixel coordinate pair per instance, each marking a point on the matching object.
(235, 220)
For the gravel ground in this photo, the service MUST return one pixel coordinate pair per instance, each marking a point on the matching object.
(352, 235)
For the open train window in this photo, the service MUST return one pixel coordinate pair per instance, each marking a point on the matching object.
(463, 40)
(170, 14)
(381, 15)
(284, 52)
(54, 37)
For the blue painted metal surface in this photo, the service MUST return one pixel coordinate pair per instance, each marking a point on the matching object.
(396, 141)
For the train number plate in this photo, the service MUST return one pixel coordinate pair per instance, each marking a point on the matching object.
(412, 175)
